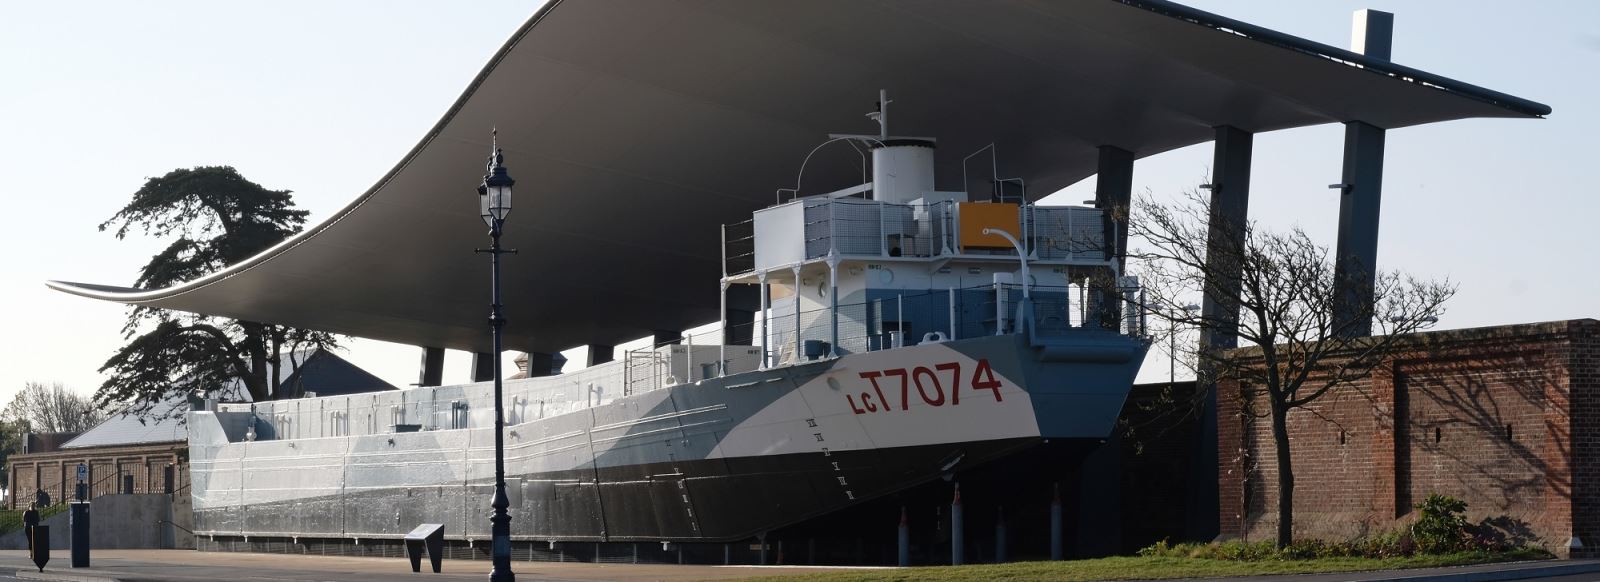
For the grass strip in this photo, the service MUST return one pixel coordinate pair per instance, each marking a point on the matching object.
(1146, 568)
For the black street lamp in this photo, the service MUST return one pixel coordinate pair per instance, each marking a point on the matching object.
(494, 197)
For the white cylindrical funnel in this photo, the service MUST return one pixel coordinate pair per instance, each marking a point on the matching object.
(902, 170)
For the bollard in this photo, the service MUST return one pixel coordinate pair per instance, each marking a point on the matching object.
(40, 546)
(426, 538)
(958, 541)
(1000, 535)
(905, 538)
(1055, 522)
(80, 533)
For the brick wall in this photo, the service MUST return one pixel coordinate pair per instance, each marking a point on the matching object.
(55, 473)
(1507, 418)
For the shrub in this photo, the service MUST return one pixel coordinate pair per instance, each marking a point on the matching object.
(1244, 551)
(1442, 527)
(1160, 549)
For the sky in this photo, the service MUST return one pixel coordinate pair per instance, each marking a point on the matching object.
(323, 98)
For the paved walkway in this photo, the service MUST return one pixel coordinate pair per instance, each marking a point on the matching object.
(183, 565)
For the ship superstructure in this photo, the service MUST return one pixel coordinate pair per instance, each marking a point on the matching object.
(905, 333)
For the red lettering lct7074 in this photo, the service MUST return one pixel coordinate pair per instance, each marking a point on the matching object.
(891, 389)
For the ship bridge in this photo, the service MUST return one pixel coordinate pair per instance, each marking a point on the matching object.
(635, 133)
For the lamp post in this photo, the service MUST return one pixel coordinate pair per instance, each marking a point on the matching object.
(1172, 353)
(494, 197)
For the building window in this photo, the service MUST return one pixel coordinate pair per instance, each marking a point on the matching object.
(458, 414)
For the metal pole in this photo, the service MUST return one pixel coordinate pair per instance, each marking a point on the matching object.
(798, 355)
(722, 346)
(900, 326)
(766, 346)
(882, 317)
(833, 304)
(1055, 522)
(958, 541)
(999, 307)
(1022, 254)
(952, 312)
(501, 521)
(1000, 535)
(905, 538)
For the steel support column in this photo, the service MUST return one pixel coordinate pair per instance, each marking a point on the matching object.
(1361, 189)
(482, 366)
(663, 337)
(432, 369)
(1357, 256)
(1113, 193)
(541, 364)
(600, 354)
(1230, 202)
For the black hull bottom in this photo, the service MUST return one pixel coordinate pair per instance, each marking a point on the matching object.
(795, 502)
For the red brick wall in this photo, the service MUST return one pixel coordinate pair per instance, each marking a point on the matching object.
(56, 471)
(1582, 355)
(1433, 419)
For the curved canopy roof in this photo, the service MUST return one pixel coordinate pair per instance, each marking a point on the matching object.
(633, 136)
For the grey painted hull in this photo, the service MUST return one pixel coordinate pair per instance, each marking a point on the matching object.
(720, 459)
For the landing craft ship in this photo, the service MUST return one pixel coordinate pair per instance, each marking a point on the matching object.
(904, 334)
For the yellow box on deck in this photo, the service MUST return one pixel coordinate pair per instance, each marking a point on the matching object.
(973, 217)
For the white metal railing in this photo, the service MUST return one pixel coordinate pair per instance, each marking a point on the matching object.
(813, 228)
(855, 228)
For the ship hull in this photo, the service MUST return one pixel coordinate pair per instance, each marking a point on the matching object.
(718, 460)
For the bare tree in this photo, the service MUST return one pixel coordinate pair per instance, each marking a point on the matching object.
(1277, 293)
(52, 408)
